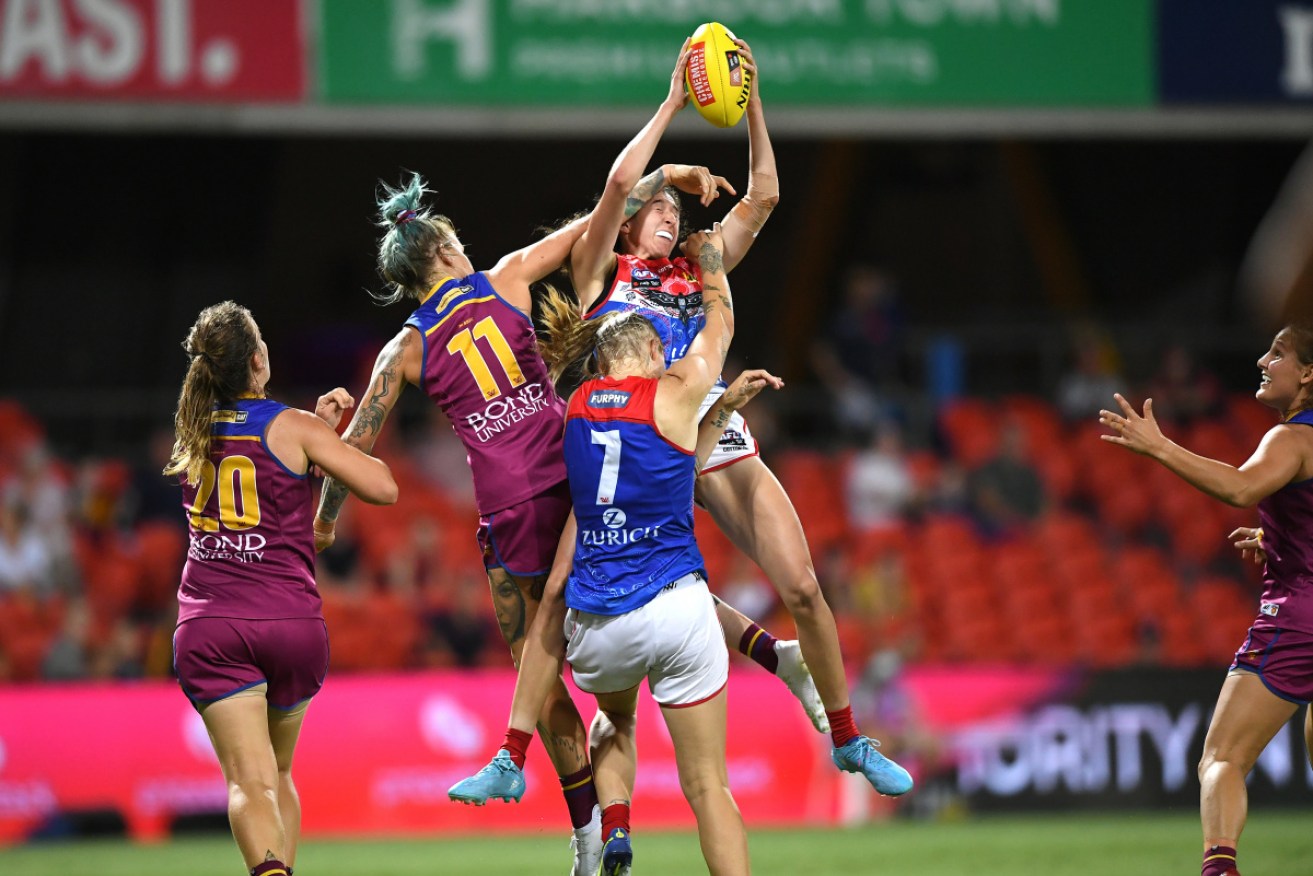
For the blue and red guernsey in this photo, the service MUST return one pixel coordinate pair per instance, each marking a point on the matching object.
(666, 291)
(482, 367)
(1286, 517)
(633, 498)
(252, 551)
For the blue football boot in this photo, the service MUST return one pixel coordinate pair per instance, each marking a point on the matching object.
(617, 854)
(499, 780)
(860, 756)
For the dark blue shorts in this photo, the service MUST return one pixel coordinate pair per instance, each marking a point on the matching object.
(522, 539)
(1283, 659)
(216, 657)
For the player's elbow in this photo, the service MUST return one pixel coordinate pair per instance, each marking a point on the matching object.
(764, 190)
(1242, 497)
(619, 183)
(382, 488)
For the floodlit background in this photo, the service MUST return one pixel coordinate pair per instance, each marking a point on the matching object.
(994, 214)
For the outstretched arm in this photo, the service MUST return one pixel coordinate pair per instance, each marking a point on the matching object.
(625, 193)
(1275, 463)
(743, 390)
(701, 365)
(746, 218)
(397, 363)
(515, 272)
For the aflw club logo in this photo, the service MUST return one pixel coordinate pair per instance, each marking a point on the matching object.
(614, 518)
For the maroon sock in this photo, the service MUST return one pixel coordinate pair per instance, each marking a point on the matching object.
(517, 745)
(270, 868)
(613, 816)
(1218, 861)
(760, 646)
(580, 796)
(843, 728)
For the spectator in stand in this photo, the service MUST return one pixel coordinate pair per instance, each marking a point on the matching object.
(880, 488)
(951, 491)
(44, 492)
(857, 359)
(69, 656)
(1006, 492)
(463, 627)
(1093, 379)
(1184, 391)
(25, 561)
(121, 655)
(152, 496)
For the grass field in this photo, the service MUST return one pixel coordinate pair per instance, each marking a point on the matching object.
(1135, 844)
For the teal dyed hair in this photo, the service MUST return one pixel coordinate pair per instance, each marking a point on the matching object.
(411, 238)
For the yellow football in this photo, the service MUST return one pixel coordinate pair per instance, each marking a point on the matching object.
(716, 80)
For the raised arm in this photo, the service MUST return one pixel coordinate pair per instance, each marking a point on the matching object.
(743, 390)
(687, 380)
(398, 363)
(746, 218)
(624, 193)
(1277, 461)
(514, 273)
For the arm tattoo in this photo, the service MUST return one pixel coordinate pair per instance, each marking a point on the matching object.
(722, 418)
(646, 189)
(710, 259)
(365, 426)
(369, 422)
(331, 498)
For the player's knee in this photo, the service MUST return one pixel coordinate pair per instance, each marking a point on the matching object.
(702, 785)
(1214, 758)
(252, 789)
(802, 594)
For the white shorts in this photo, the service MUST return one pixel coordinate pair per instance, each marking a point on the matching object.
(736, 443)
(675, 642)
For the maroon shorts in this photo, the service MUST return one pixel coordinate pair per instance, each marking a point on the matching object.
(1283, 659)
(216, 657)
(522, 539)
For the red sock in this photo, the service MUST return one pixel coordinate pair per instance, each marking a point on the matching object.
(1219, 861)
(270, 868)
(517, 745)
(580, 796)
(760, 646)
(613, 816)
(843, 728)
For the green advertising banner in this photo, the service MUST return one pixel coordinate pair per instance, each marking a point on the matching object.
(536, 53)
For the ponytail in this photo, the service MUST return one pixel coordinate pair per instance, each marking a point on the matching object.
(600, 342)
(220, 344)
(568, 337)
(411, 239)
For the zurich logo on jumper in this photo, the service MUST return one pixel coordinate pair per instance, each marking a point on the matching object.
(614, 518)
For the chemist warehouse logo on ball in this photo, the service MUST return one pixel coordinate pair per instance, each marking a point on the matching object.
(615, 533)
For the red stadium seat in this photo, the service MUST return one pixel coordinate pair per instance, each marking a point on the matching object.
(970, 429)
(162, 548)
(815, 485)
(1038, 419)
